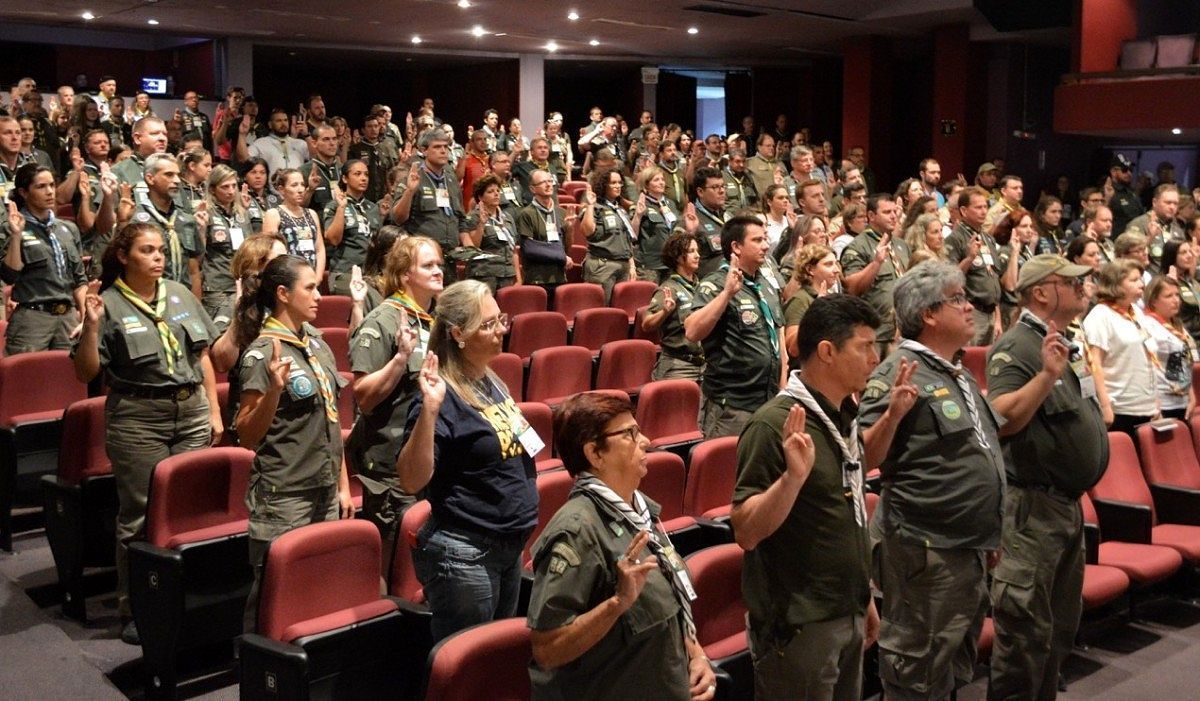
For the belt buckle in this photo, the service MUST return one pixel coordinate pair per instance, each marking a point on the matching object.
(183, 393)
(58, 308)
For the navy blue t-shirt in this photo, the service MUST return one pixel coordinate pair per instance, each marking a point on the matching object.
(482, 477)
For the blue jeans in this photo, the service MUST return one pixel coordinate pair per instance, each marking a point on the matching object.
(468, 578)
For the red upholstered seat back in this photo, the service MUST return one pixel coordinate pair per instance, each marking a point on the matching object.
(37, 387)
(536, 330)
(196, 492)
(338, 338)
(712, 471)
(654, 336)
(553, 488)
(333, 311)
(717, 577)
(316, 571)
(625, 364)
(1168, 456)
(664, 482)
(1089, 511)
(404, 582)
(489, 661)
(555, 373)
(974, 358)
(631, 294)
(669, 408)
(596, 327)
(521, 299)
(541, 419)
(82, 451)
(511, 371)
(1123, 480)
(574, 297)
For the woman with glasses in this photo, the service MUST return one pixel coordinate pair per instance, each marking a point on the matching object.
(472, 451)
(386, 353)
(610, 611)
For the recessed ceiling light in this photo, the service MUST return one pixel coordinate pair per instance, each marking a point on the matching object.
(416, 39)
(693, 30)
(1176, 131)
(477, 31)
(500, 34)
(88, 15)
(152, 21)
(593, 42)
(551, 46)
(572, 15)
(464, 4)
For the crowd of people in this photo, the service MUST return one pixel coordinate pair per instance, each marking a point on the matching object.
(823, 318)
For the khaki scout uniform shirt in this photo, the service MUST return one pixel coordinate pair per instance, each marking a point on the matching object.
(360, 222)
(983, 279)
(540, 224)
(857, 255)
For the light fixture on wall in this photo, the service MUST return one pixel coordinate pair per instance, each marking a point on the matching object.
(87, 15)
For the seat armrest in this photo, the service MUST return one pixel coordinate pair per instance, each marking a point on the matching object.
(1091, 543)
(1124, 521)
(1176, 504)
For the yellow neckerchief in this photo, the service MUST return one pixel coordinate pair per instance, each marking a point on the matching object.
(274, 328)
(168, 225)
(402, 300)
(157, 314)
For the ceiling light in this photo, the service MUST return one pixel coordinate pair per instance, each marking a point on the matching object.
(1176, 131)
(572, 15)
(152, 21)
(477, 31)
(88, 15)
(500, 34)
(416, 39)
(593, 42)
(693, 30)
(464, 4)
(551, 46)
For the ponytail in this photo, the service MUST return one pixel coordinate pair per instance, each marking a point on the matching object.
(258, 295)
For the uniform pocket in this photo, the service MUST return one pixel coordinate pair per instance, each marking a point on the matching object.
(1013, 586)
(902, 651)
(950, 416)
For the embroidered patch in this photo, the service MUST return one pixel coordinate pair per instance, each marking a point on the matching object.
(951, 410)
(252, 357)
(876, 389)
(141, 217)
(302, 386)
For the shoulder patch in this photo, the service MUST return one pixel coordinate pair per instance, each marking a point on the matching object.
(849, 253)
(708, 287)
(370, 331)
(252, 357)
(997, 360)
(876, 389)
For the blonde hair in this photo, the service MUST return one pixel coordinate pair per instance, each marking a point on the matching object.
(459, 306)
(220, 173)
(1108, 288)
(400, 259)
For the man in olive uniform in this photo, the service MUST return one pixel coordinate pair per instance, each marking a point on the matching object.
(539, 155)
(196, 124)
(708, 219)
(541, 227)
(323, 172)
(799, 513)
(10, 154)
(43, 264)
(738, 319)
(1012, 189)
(512, 195)
(1159, 225)
(430, 202)
(943, 491)
(149, 138)
(1124, 204)
(668, 161)
(874, 261)
(763, 165)
(975, 252)
(740, 192)
(379, 153)
(386, 352)
(182, 231)
(1055, 448)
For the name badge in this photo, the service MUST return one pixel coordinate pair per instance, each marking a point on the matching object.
(502, 234)
(678, 568)
(1088, 385)
(442, 198)
(987, 257)
(529, 438)
(669, 216)
(509, 194)
(236, 236)
(552, 231)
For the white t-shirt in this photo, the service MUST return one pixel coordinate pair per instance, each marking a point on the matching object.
(775, 230)
(1174, 369)
(1128, 371)
(279, 153)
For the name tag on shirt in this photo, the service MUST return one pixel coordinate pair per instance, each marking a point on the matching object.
(529, 438)
(551, 231)
(1088, 385)
(508, 193)
(236, 236)
(442, 198)
(669, 216)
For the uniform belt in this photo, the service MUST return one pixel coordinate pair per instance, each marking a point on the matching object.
(693, 358)
(1047, 489)
(178, 393)
(55, 308)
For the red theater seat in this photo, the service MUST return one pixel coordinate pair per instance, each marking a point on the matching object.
(338, 338)
(571, 298)
(536, 330)
(541, 418)
(626, 365)
(489, 661)
(667, 412)
(557, 373)
(719, 613)
(596, 327)
(521, 299)
(630, 295)
(334, 311)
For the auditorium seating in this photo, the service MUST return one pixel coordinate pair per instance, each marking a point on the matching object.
(521, 299)
(577, 252)
(1172, 472)
(668, 412)
(189, 579)
(595, 327)
(571, 298)
(80, 503)
(511, 371)
(535, 330)
(712, 471)
(626, 365)
(654, 336)
(347, 409)
(719, 614)
(488, 661)
(35, 389)
(664, 483)
(630, 295)
(338, 338)
(323, 629)
(333, 311)
(552, 488)
(356, 485)
(574, 188)
(557, 373)
(974, 358)
(541, 418)
(403, 582)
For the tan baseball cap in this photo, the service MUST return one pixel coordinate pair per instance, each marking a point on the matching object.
(1042, 266)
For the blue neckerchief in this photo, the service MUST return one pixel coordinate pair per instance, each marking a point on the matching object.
(439, 181)
(60, 258)
(762, 304)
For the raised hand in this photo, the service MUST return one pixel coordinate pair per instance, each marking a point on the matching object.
(433, 388)
(668, 300)
(93, 307)
(314, 178)
(358, 286)
(640, 207)
(16, 222)
(691, 222)
(904, 392)
(406, 338)
(798, 450)
(338, 195)
(1055, 351)
(882, 248)
(85, 188)
(244, 126)
(414, 177)
(632, 571)
(278, 369)
(247, 200)
(77, 161)
(201, 215)
(733, 279)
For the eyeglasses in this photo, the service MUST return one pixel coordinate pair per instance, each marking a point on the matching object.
(630, 432)
(490, 325)
(1076, 283)
(957, 300)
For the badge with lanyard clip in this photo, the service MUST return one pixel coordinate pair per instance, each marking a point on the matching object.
(674, 561)
(552, 230)
(442, 197)
(526, 435)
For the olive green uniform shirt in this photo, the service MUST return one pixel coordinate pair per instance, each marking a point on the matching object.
(674, 343)
(612, 238)
(533, 223)
(330, 174)
(302, 448)
(427, 218)
(762, 171)
(740, 192)
(575, 570)
(1125, 206)
(742, 351)
(495, 257)
(186, 232)
(226, 231)
(983, 279)
(361, 221)
(40, 280)
(941, 487)
(1065, 444)
(709, 238)
(857, 255)
(816, 565)
(654, 229)
(1189, 307)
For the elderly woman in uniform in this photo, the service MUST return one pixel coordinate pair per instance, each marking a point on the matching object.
(386, 352)
(288, 412)
(495, 235)
(470, 447)
(654, 216)
(670, 305)
(228, 226)
(152, 337)
(610, 611)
